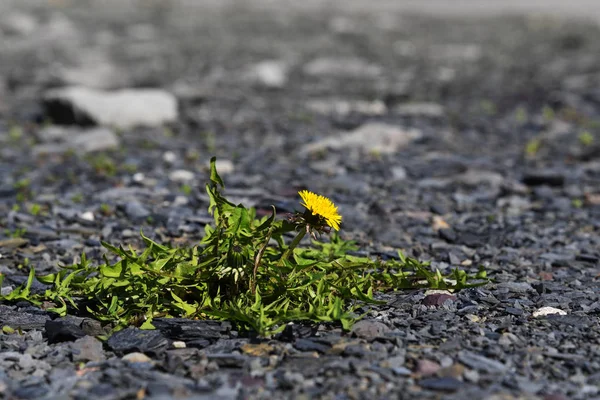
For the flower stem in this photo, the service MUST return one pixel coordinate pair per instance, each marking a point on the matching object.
(292, 246)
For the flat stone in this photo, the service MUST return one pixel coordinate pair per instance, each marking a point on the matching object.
(181, 175)
(311, 345)
(396, 361)
(121, 194)
(99, 139)
(445, 384)
(54, 133)
(516, 287)
(87, 216)
(13, 243)
(169, 157)
(17, 319)
(371, 137)
(224, 166)
(438, 299)
(399, 173)
(124, 109)
(479, 177)
(341, 67)
(133, 339)
(543, 311)
(136, 357)
(514, 311)
(481, 363)
(136, 210)
(228, 360)
(370, 329)
(269, 73)
(91, 140)
(62, 331)
(88, 348)
(429, 110)
(427, 367)
(341, 107)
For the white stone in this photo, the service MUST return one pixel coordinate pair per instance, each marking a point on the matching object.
(87, 141)
(542, 312)
(224, 167)
(96, 139)
(399, 173)
(180, 201)
(125, 108)
(6, 290)
(87, 216)
(371, 137)
(179, 344)
(137, 357)
(138, 177)
(437, 291)
(341, 67)
(270, 73)
(169, 157)
(345, 107)
(477, 177)
(431, 110)
(54, 133)
(181, 175)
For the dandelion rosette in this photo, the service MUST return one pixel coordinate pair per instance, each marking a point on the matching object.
(321, 207)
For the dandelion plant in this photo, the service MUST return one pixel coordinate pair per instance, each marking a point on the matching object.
(243, 270)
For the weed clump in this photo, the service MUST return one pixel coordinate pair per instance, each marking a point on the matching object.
(241, 271)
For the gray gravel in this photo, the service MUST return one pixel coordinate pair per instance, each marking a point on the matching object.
(462, 141)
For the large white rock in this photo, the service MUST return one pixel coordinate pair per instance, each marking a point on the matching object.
(124, 109)
(371, 137)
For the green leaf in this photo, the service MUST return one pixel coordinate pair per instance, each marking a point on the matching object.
(114, 303)
(62, 310)
(214, 176)
(112, 271)
(186, 307)
(152, 244)
(147, 325)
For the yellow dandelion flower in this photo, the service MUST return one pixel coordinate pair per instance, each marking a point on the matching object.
(323, 207)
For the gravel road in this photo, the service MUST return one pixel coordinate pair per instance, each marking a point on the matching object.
(464, 133)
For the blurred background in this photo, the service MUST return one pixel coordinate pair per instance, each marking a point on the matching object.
(111, 109)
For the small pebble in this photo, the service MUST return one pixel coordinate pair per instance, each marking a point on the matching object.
(181, 175)
(542, 312)
(136, 357)
(88, 216)
(169, 157)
